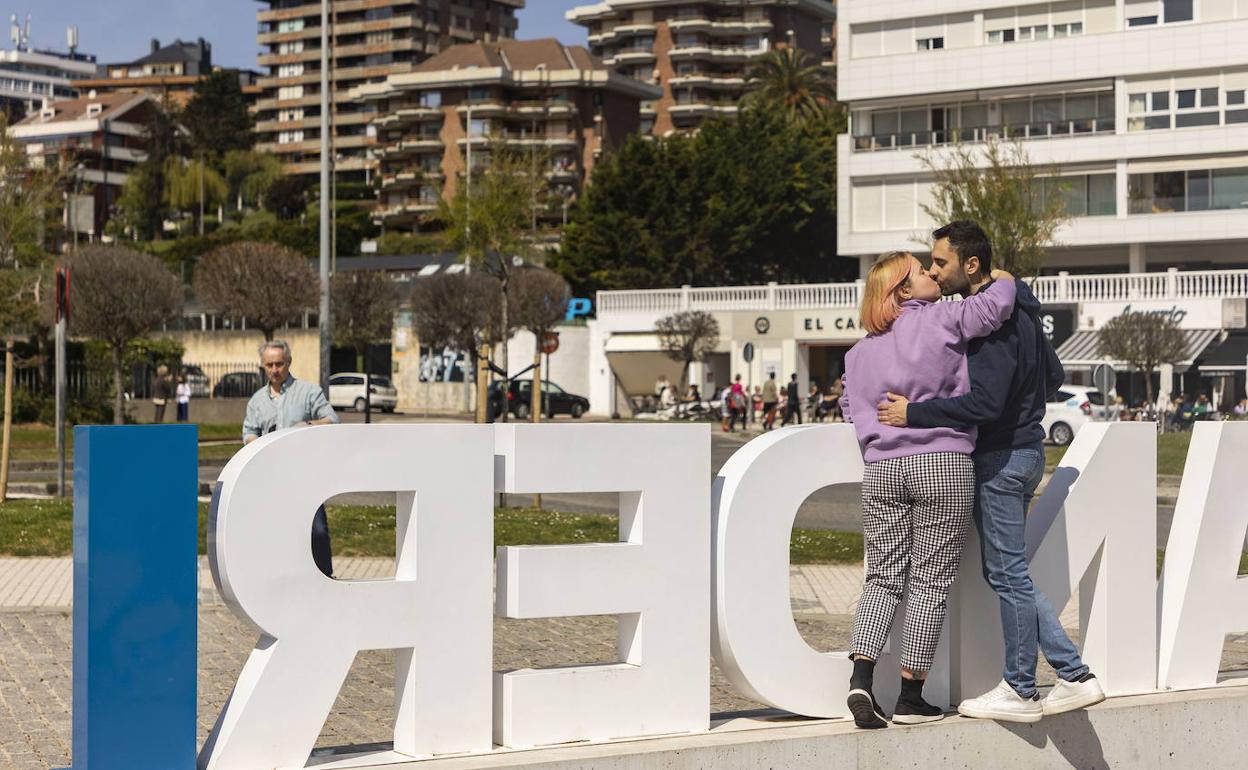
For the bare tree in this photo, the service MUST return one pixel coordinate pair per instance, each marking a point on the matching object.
(1143, 341)
(119, 296)
(268, 284)
(687, 336)
(461, 311)
(538, 300)
(1019, 204)
(364, 304)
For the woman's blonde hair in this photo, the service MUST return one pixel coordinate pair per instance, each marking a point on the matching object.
(880, 308)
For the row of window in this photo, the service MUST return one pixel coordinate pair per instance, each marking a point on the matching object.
(1185, 108)
(898, 204)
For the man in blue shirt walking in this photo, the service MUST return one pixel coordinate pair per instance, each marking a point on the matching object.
(1013, 372)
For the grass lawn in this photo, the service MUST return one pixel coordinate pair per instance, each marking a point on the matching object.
(1171, 454)
(38, 442)
(45, 528)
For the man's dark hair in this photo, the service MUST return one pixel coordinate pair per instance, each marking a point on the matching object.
(968, 240)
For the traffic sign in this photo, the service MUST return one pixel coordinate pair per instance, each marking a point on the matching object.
(1104, 378)
(748, 352)
(550, 342)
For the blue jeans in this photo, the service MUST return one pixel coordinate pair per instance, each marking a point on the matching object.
(1006, 481)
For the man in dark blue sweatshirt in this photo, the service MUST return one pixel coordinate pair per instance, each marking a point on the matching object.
(1013, 372)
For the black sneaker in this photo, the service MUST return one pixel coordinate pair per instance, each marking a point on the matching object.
(910, 713)
(867, 713)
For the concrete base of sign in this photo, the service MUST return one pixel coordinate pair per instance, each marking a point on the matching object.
(1200, 728)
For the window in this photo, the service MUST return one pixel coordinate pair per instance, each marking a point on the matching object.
(1230, 188)
(1040, 32)
(290, 70)
(290, 92)
(478, 94)
(1069, 29)
(1185, 99)
(1001, 36)
(1197, 190)
(290, 25)
(1141, 21)
(930, 43)
(1177, 10)
(1235, 97)
(479, 127)
(431, 99)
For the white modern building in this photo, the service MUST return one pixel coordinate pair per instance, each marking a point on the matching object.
(29, 77)
(1141, 105)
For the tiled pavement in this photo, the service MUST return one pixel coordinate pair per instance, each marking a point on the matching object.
(35, 655)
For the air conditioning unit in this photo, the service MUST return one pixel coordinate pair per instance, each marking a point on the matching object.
(93, 110)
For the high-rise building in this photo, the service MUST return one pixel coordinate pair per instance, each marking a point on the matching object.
(30, 77)
(530, 94)
(698, 51)
(371, 40)
(1139, 104)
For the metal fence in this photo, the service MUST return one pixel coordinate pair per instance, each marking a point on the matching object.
(207, 380)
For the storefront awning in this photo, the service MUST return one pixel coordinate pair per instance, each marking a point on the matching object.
(637, 360)
(1083, 349)
(1229, 356)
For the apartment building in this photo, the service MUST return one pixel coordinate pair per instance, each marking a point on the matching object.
(699, 51)
(167, 72)
(535, 94)
(371, 40)
(1139, 104)
(30, 77)
(98, 139)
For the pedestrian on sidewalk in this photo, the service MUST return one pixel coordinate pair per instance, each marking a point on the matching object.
(792, 402)
(183, 396)
(162, 391)
(282, 403)
(771, 397)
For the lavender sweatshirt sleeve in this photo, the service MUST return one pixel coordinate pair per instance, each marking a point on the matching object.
(980, 314)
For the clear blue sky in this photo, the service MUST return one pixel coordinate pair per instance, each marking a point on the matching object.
(120, 30)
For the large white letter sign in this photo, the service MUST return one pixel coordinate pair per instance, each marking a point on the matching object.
(657, 578)
(755, 640)
(1202, 598)
(436, 611)
(1093, 530)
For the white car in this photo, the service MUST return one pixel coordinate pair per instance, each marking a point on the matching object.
(1068, 411)
(346, 391)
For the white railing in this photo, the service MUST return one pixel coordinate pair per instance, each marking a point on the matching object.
(1170, 285)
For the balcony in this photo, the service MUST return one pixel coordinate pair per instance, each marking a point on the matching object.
(1171, 285)
(633, 56)
(737, 26)
(723, 53)
(1037, 131)
(730, 82)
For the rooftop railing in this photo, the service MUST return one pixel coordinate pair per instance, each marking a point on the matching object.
(1173, 284)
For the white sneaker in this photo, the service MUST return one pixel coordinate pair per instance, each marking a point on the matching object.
(1004, 704)
(1068, 696)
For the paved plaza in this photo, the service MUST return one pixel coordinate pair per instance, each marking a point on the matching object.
(35, 681)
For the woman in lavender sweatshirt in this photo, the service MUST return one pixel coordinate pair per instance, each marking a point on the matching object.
(918, 487)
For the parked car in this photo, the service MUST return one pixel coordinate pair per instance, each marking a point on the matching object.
(198, 381)
(1069, 410)
(519, 400)
(346, 391)
(238, 384)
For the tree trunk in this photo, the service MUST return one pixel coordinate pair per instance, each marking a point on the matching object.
(502, 346)
(7, 437)
(483, 385)
(119, 402)
(1148, 386)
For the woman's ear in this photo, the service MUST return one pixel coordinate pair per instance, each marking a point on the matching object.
(904, 293)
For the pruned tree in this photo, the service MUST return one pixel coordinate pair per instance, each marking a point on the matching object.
(267, 284)
(460, 311)
(1143, 341)
(120, 295)
(364, 303)
(538, 300)
(687, 336)
(997, 185)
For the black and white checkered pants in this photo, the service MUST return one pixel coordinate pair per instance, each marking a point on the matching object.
(916, 511)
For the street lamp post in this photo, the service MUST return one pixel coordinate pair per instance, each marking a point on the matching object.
(324, 317)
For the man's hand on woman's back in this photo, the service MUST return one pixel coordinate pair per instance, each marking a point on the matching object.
(1001, 275)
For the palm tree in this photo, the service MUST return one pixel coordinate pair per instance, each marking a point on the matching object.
(789, 79)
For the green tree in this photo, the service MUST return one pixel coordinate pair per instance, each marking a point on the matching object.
(745, 201)
(997, 185)
(194, 186)
(249, 175)
(287, 197)
(489, 222)
(142, 207)
(792, 81)
(216, 116)
(119, 296)
(1143, 341)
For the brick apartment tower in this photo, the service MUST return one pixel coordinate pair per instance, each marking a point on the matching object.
(371, 40)
(535, 94)
(700, 51)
